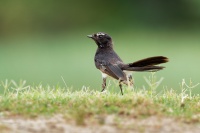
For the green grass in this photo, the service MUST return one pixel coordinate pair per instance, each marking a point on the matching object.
(23, 100)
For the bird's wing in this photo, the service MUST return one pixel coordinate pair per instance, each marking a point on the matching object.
(114, 71)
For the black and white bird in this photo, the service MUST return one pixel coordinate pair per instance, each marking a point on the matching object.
(110, 64)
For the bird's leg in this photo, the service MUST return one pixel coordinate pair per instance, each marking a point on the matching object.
(103, 84)
(120, 86)
(130, 81)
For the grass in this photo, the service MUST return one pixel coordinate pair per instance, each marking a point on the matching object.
(22, 100)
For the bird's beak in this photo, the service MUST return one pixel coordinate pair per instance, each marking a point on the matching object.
(90, 36)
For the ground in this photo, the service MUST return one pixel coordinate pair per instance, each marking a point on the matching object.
(38, 109)
(58, 124)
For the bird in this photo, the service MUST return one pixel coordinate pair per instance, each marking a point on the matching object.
(110, 64)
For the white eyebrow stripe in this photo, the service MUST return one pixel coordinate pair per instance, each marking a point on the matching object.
(100, 33)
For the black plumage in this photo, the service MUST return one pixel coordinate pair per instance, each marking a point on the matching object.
(109, 63)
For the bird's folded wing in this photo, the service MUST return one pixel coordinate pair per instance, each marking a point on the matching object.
(115, 72)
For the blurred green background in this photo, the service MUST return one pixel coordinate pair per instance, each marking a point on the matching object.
(42, 40)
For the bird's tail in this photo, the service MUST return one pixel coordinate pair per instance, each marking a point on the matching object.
(148, 64)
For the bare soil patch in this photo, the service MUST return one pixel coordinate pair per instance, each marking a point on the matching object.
(107, 124)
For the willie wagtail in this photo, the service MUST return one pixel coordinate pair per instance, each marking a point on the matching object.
(110, 64)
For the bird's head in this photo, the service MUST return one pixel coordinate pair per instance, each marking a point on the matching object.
(102, 40)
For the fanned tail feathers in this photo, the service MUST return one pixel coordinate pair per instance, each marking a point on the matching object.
(151, 61)
(148, 64)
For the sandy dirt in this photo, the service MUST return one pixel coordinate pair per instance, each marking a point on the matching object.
(111, 124)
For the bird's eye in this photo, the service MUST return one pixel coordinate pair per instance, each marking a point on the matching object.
(100, 36)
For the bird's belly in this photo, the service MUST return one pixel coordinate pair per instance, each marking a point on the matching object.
(104, 75)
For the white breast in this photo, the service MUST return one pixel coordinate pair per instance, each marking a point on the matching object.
(104, 75)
